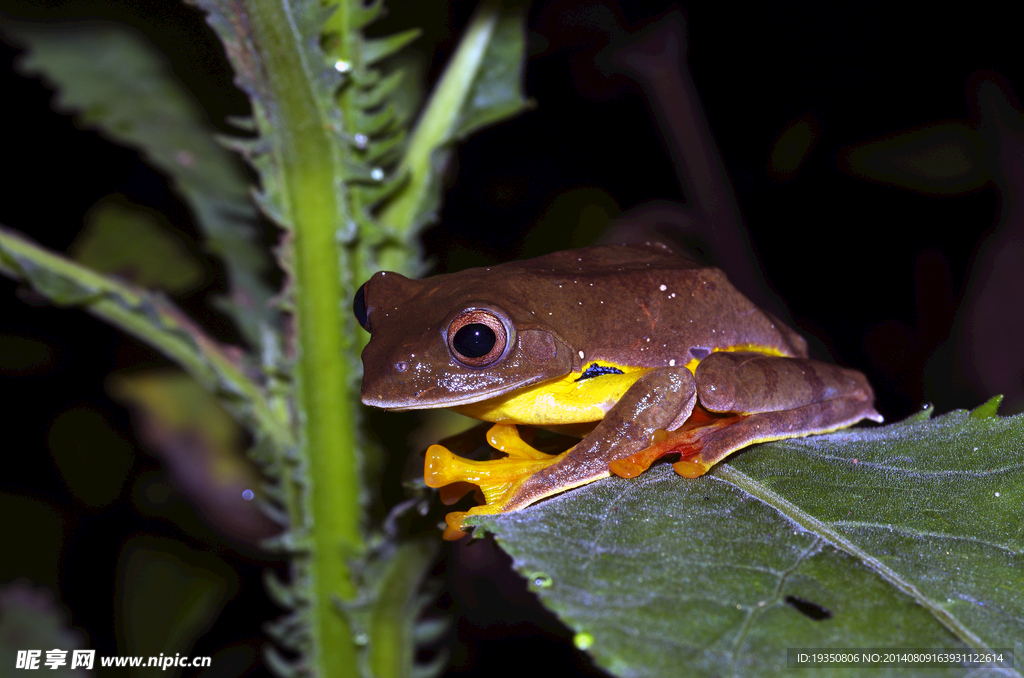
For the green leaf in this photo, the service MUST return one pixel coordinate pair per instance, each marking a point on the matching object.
(481, 85)
(138, 246)
(381, 48)
(942, 159)
(496, 90)
(124, 88)
(909, 536)
(168, 595)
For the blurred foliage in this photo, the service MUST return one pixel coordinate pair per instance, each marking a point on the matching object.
(125, 89)
(940, 159)
(202, 448)
(792, 147)
(94, 460)
(134, 244)
(32, 522)
(24, 355)
(30, 619)
(351, 187)
(167, 596)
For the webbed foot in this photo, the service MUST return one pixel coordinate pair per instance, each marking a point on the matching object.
(497, 479)
(700, 430)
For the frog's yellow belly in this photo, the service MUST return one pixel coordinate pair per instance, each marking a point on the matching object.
(571, 400)
(559, 401)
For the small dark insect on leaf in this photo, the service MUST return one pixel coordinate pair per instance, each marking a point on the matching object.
(809, 609)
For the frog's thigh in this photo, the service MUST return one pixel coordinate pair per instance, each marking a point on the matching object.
(780, 398)
(748, 383)
(661, 399)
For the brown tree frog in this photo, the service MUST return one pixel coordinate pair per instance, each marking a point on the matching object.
(650, 353)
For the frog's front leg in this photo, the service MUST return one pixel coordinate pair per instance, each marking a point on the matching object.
(662, 398)
(767, 398)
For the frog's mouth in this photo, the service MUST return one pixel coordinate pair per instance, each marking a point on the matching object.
(444, 395)
(415, 403)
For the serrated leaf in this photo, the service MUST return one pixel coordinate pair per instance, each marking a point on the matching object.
(280, 666)
(910, 535)
(481, 84)
(59, 289)
(394, 577)
(381, 48)
(365, 14)
(376, 94)
(381, 152)
(377, 122)
(125, 89)
(282, 593)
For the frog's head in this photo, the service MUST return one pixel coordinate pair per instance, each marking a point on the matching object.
(451, 340)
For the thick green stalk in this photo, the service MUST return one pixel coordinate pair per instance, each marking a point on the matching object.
(310, 168)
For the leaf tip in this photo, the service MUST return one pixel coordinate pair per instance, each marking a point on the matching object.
(988, 409)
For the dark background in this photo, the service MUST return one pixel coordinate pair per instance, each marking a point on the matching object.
(872, 274)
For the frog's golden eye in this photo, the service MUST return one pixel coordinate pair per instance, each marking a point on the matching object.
(477, 338)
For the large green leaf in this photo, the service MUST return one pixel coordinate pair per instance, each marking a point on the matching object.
(910, 535)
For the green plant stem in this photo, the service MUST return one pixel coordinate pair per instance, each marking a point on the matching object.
(394, 616)
(313, 202)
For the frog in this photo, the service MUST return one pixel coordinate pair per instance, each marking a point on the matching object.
(637, 351)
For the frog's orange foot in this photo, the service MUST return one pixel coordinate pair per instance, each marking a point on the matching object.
(691, 468)
(498, 479)
(688, 441)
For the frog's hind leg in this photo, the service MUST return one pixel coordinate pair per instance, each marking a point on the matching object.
(760, 398)
(714, 444)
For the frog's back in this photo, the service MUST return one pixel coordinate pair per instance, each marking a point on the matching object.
(641, 305)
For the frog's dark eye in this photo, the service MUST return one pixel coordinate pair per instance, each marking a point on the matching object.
(359, 308)
(477, 338)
